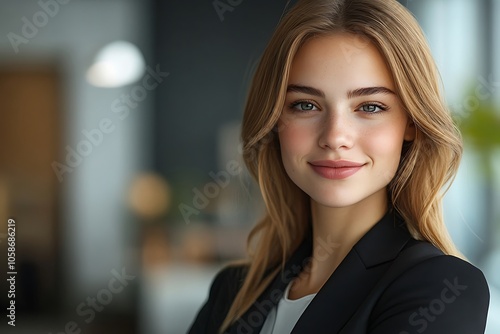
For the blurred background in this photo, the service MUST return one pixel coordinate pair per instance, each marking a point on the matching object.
(120, 162)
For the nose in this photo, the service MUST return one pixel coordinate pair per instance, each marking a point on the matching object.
(337, 131)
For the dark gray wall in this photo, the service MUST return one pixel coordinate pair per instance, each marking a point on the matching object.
(209, 61)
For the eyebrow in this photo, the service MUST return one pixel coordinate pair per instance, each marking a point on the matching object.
(350, 94)
(369, 91)
(305, 90)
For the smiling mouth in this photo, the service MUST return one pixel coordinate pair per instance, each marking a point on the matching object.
(336, 169)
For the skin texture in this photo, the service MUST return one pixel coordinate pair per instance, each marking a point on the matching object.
(332, 122)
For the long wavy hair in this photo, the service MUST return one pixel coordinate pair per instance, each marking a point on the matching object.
(428, 163)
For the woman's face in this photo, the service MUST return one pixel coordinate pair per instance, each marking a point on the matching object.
(342, 127)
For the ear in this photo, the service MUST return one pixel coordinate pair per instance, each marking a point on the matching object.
(410, 131)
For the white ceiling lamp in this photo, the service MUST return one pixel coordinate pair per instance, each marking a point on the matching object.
(117, 64)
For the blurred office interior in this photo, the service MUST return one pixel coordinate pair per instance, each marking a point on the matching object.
(120, 158)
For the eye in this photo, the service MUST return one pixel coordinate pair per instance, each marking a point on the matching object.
(373, 108)
(303, 106)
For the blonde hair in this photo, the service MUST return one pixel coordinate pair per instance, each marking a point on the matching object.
(427, 164)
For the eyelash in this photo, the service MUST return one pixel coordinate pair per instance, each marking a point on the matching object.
(294, 105)
(381, 106)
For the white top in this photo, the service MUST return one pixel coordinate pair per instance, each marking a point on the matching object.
(284, 316)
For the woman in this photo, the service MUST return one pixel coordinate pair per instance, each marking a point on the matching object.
(347, 134)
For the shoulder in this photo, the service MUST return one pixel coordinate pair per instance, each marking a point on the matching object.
(439, 294)
(223, 290)
(440, 269)
(445, 272)
(229, 280)
(225, 286)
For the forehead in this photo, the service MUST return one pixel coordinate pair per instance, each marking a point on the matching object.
(340, 58)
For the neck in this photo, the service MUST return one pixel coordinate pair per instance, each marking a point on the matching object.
(345, 226)
(335, 232)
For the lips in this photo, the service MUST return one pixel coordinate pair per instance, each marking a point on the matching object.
(336, 169)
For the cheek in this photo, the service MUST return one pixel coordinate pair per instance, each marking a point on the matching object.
(384, 144)
(295, 141)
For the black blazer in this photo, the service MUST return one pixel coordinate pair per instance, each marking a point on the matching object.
(388, 283)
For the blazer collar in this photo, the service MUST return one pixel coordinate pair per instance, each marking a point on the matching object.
(384, 241)
(346, 288)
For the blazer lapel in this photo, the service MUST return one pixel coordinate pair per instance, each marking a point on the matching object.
(253, 320)
(357, 274)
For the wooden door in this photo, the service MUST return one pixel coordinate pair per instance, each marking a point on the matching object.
(29, 142)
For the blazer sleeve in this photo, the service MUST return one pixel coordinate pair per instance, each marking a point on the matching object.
(223, 290)
(443, 294)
